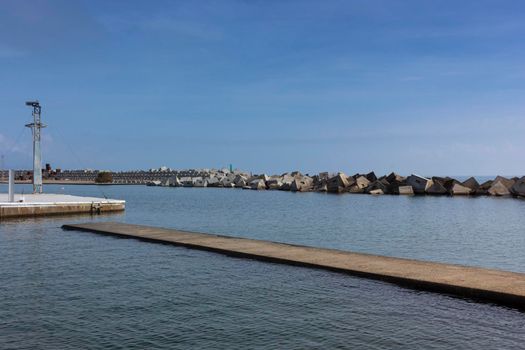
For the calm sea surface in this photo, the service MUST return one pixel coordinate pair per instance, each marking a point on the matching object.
(72, 290)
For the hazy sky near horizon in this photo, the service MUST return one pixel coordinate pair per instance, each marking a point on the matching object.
(430, 87)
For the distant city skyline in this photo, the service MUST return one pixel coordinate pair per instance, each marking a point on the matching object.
(434, 88)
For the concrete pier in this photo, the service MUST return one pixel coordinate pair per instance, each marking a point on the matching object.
(55, 204)
(501, 287)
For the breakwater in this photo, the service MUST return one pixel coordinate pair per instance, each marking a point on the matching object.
(368, 183)
(496, 286)
(359, 183)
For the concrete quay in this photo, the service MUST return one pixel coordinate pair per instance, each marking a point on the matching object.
(28, 205)
(490, 285)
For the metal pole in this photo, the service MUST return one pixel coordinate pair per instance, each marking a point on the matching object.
(11, 196)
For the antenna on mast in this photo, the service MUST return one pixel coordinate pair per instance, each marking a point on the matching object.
(36, 127)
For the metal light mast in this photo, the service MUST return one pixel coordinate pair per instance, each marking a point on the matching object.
(36, 127)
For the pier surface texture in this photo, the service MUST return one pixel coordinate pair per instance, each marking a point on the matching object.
(41, 204)
(501, 287)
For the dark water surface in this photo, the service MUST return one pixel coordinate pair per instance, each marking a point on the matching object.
(70, 290)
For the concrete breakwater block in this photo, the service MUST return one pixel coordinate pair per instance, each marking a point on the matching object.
(419, 184)
(338, 183)
(377, 187)
(498, 189)
(213, 181)
(258, 184)
(200, 182)
(274, 183)
(376, 192)
(436, 188)
(154, 183)
(240, 181)
(362, 182)
(395, 178)
(227, 182)
(302, 184)
(286, 180)
(483, 189)
(371, 176)
(459, 190)
(187, 181)
(174, 182)
(518, 189)
(472, 184)
(405, 190)
(508, 183)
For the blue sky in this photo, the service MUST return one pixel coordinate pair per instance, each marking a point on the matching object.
(431, 87)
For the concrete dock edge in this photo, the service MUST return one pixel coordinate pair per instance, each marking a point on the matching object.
(58, 209)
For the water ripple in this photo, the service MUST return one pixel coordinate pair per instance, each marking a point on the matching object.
(71, 290)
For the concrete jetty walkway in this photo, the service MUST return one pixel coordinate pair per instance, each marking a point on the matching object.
(45, 204)
(501, 287)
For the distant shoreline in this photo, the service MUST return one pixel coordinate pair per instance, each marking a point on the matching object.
(61, 182)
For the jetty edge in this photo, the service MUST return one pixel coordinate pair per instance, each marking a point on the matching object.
(46, 204)
(480, 284)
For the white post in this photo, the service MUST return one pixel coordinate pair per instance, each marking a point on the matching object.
(11, 196)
